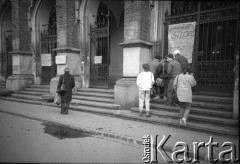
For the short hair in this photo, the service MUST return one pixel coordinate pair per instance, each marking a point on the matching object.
(158, 57)
(146, 67)
(187, 68)
(170, 56)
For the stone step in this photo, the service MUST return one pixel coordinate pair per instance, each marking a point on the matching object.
(37, 89)
(91, 98)
(203, 127)
(217, 106)
(202, 104)
(74, 101)
(32, 93)
(194, 118)
(39, 86)
(94, 94)
(110, 91)
(28, 97)
(95, 104)
(195, 110)
(71, 106)
(214, 94)
(213, 99)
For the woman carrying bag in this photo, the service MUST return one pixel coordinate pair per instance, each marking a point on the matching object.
(183, 84)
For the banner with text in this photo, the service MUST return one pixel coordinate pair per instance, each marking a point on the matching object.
(181, 36)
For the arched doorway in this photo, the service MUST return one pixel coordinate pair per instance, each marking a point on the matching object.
(106, 32)
(45, 40)
(6, 41)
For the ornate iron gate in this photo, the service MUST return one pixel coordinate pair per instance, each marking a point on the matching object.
(8, 36)
(99, 66)
(217, 33)
(48, 43)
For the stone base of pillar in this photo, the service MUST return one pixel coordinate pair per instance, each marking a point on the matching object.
(19, 82)
(54, 83)
(126, 93)
(236, 104)
(2, 78)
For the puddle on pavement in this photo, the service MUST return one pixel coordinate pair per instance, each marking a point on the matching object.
(62, 132)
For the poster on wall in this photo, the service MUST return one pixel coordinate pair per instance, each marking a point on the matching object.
(181, 36)
(46, 59)
(97, 59)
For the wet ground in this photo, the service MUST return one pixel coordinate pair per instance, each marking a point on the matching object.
(63, 132)
(23, 140)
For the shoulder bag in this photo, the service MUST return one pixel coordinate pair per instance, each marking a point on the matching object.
(62, 89)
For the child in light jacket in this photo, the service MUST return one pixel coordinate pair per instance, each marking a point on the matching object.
(145, 81)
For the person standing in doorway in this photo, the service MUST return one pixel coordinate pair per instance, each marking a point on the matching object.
(145, 80)
(183, 84)
(69, 82)
(174, 68)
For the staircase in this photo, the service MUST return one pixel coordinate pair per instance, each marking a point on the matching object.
(88, 99)
(209, 113)
(2, 85)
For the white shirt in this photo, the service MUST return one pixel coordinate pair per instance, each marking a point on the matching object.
(145, 80)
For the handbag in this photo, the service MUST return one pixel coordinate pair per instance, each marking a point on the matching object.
(175, 98)
(57, 99)
(62, 89)
(160, 82)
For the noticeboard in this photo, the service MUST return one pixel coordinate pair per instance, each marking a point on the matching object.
(46, 59)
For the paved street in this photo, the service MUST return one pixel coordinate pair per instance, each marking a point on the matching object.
(24, 140)
(126, 134)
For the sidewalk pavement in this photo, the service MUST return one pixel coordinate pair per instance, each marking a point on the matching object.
(118, 128)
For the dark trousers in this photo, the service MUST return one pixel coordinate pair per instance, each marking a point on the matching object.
(170, 91)
(64, 107)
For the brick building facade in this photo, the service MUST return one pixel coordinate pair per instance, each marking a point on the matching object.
(122, 34)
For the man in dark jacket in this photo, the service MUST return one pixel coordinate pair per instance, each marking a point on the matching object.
(69, 82)
(174, 68)
(154, 64)
(181, 59)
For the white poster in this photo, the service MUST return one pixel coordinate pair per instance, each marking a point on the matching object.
(46, 59)
(98, 60)
(61, 59)
(181, 36)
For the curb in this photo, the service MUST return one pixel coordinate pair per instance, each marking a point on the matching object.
(97, 132)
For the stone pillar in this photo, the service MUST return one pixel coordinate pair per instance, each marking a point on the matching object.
(67, 44)
(22, 55)
(236, 89)
(136, 51)
(157, 30)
